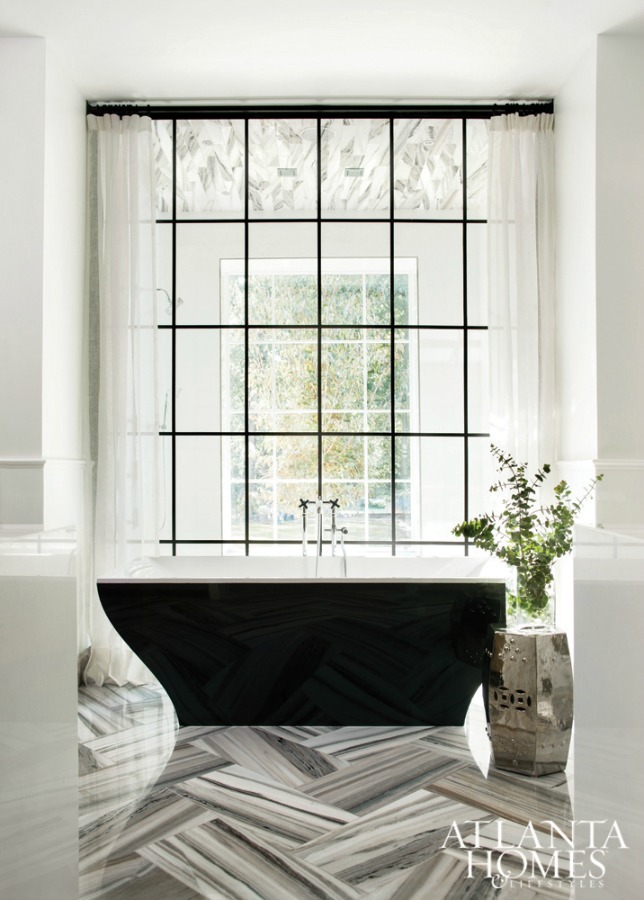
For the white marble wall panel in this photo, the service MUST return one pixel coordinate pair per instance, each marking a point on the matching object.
(38, 741)
(609, 671)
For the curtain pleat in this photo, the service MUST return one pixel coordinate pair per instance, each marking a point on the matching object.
(521, 286)
(123, 401)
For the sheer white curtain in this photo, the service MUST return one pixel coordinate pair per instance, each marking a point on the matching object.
(521, 254)
(123, 347)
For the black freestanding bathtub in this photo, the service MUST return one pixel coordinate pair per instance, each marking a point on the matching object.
(259, 641)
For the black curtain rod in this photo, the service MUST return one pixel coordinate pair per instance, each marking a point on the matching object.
(412, 111)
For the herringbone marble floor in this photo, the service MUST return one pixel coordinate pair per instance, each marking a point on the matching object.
(288, 813)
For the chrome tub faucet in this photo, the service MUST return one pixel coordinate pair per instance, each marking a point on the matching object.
(334, 505)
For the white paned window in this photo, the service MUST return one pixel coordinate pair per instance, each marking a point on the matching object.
(321, 287)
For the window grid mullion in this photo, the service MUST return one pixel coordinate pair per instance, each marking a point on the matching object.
(466, 343)
(392, 339)
(246, 348)
(320, 329)
(174, 341)
(319, 306)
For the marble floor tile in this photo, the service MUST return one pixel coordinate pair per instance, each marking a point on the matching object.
(351, 743)
(98, 879)
(542, 892)
(470, 741)
(192, 733)
(130, 780)
(187, 761)
(91, 760)
(281, 812)
(508, 798)
(122, 784)
(278, 810)
(133, 741)
(288, 761)
(85, 731)
(298, 732)
(140, 700)
(115, 837)
(443, 876)
(449, 740)
(100, 715)
(448, 875)
(378, 779)
(220, 861)
(375, 847)
(486, 848)
(151, 883)
(98, 833)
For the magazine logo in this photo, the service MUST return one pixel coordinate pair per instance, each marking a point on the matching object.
(542, 856)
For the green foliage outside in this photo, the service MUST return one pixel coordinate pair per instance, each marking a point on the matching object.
(283, 395)
(526, 534)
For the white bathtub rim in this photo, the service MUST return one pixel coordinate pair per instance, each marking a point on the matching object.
(267, 569)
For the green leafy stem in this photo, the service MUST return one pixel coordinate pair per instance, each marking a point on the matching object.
(525, 534)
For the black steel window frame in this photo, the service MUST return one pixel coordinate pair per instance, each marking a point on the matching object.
(462, 113)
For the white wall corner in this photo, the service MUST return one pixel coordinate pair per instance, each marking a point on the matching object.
(575, 317)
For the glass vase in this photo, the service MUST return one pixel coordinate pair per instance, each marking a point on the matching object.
(520, 619)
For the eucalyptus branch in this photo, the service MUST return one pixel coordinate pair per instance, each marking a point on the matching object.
(525, 535)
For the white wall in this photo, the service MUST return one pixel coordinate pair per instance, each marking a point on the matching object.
(22, 173)
(63, 360)
(600, 278)
(575, 313)
(620, 279)
(42, 184)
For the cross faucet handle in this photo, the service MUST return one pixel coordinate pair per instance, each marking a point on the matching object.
(304, 504)
(334, 504)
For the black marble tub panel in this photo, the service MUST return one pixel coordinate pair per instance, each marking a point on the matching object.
(315, 653)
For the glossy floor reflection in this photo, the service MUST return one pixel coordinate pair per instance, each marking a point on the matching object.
(294, 812)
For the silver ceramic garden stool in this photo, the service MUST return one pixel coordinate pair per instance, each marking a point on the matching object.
(530, 699)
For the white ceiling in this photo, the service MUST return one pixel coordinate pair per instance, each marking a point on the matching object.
(319, 49)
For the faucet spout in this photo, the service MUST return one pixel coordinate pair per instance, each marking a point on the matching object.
(319, 512)
(343, 531)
